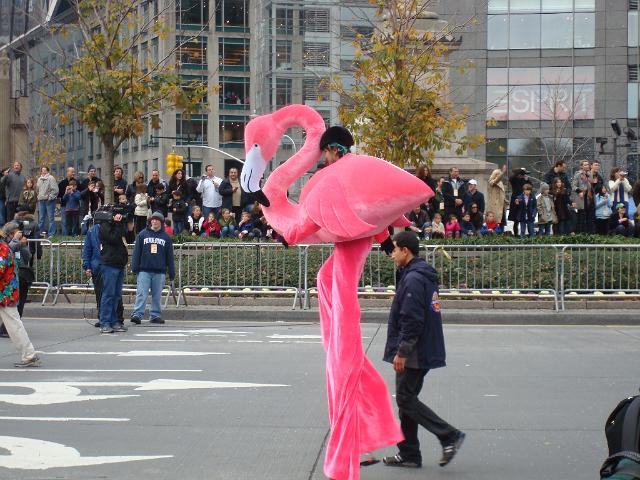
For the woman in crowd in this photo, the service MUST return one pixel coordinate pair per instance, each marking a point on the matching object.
(178, 182)
(28, 195)
(562, 205)
(603, 211)
(621, 224)
(620, 187)
(138, 177)
(477, 218)
(496, 195)
(141, 202)
(517, 180)
(94, 196)
(424, 173)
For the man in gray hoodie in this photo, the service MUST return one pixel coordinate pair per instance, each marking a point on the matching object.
(14, 184)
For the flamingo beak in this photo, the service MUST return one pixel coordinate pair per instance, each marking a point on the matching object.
(252, 172)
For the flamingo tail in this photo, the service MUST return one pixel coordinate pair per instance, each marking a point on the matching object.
(360, 411)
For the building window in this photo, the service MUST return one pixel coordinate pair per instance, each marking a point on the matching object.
(284, 21)
(191, 130)
(154, 51)
(315, 90)
(191, 53)
(80, 141)
(316, 54)
(232, 130)
(190, 81)
(192, 12)
(549, 93)
(90, 142)
(234, 93)
(283, 55)
(145, 133)
(234, 54)
(314, 20)
(232, 15)
(282, 92)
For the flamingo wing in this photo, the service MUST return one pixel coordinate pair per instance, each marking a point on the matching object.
(327, 205)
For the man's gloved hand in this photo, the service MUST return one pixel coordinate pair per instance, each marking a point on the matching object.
(387, 246)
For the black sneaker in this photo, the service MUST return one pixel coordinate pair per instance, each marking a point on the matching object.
(97, 324)
(106, 329)
(31, 363)
(120, 328)
(398, 461)
(156, 320)
(449, 451)
(136, 320)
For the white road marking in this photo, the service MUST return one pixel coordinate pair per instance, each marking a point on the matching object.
(142, 353)
(160, 335)
(34, 454)
(49, 393)
(301, 337)
(246, 341)
(65, 419)
(155, 340)
(276, 341)
(82, 370)
(198, 331)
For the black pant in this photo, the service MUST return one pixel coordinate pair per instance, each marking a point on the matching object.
(413, 413)
(602, 226)
(140, 223)
(237, 212)
(22, 296)
(97, 288)
(11, 210)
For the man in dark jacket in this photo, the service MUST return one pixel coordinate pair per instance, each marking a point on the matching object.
(152, 257)
(558, 170)
(14, 184)
(453, 190)
(113, 261)
(233, 197)
(92, 177)
(415, 345)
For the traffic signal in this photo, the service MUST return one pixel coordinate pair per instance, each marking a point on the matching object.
(178, 161)
(171, 163)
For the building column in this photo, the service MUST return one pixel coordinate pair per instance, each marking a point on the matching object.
(5, 112)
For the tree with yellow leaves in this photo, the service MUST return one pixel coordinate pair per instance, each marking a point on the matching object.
(398, 106)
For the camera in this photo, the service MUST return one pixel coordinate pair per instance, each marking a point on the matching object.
(107, 212)
(26, 228)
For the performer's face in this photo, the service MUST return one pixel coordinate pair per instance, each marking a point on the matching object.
(330, 156)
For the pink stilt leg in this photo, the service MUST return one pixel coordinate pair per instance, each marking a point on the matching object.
(360, 411)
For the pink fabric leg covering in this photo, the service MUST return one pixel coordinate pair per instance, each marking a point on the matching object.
(360, 411)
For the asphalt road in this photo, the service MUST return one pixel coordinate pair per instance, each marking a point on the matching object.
(149, 404)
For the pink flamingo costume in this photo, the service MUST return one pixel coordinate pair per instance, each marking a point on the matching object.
(349, 203)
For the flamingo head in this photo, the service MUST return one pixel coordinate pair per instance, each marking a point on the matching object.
(261, 140)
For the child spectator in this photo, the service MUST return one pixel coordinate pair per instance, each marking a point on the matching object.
(227, 224)
(491, 226)
(477, 217)
(466, 227)
(167, 227)
(129, 215)
(141, 211)
(620, 223)
(603, 211)
(526, 210)
(28, 197)
(546, 210)
(452, 228)
(160, 202)
(211, 227)
(179, 210)
(562, 205)
(93, 195)
(419, 219)
(437, 227)
(195, 222)
(245, 226)
(71, 205)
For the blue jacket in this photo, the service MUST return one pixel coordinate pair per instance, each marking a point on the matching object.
(71, 201)
(528, 212)
(91, 250)
(415, 324)
(153, 252)
(604, 206)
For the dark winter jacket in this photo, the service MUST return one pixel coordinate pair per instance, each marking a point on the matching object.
(62, 186)
(415, 324)
(114, 251)
(528, 212)
(121, 183)
(475, 197)
(161, 203)
(226, 191)
(551, 175)
(179, 209)
(153, 252)
(71, 201)
(450, 196)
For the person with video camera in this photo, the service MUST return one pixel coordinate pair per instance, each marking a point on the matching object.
(113, 260)
(92, 262)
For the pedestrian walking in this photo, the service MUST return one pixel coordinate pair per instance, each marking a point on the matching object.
(415, 345)
(9, 296)
(152, 257)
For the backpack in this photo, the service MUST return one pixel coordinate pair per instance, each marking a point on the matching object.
(623, 437)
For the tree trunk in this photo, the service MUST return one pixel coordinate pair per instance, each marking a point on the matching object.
(107, 174)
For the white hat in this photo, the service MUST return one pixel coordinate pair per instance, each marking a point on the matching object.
(472, 182)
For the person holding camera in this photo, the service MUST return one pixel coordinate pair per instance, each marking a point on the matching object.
(113, 260)
(152, 257)
(620, 188)
(71, 205)
(519, 177)
(209, 188)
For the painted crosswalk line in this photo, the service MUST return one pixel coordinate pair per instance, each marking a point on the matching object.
(143, 353)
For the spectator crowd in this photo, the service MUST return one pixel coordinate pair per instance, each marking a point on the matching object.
(561, 204)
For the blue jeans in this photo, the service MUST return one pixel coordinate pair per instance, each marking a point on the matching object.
(148, 281)
(112, 279)
(527, 227)
(544, 228)
(229, 231)
(206, 210)
(47, 208)
(3, 213)
(178, 227)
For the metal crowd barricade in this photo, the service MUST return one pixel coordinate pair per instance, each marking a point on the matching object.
(377, 280)
(231, 268)
(497, 271)
(42, 264)
(594, 271)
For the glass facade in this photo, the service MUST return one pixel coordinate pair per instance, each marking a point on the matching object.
(191, 53)
(232, 130)
(533, 24)
(234, 54)
(192, 129)
(192, 12)
(232, 15)
(234, 93)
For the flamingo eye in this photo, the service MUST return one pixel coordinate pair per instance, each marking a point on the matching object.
(255, 145)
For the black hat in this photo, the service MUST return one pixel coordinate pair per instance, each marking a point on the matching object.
(337, 137)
